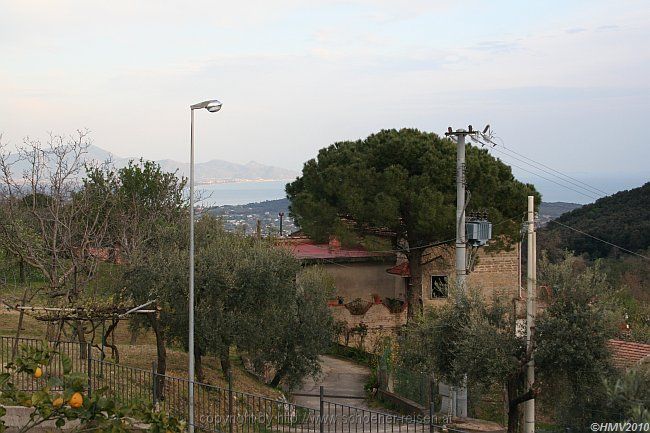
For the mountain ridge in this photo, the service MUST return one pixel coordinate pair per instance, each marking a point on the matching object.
(212, 171)
(209, 172)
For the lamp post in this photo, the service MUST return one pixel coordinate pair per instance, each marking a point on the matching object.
(212, 106)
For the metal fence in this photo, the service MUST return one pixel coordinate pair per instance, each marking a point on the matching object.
(216, 409)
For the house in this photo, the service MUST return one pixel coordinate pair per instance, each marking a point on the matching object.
(627, 354)
(370, 301)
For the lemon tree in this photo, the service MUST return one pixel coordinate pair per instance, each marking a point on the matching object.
(63, 398)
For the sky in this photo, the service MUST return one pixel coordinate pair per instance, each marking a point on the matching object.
(565, 83)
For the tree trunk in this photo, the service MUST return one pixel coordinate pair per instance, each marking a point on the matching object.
(414, 289)
(21, 317)
(224, 357)
(161, 353)
(113, 347)
(279, 375)
(21, 266)
(513, 419)
(134, 337)
(198, 366)
(81, 336)
(513, 409)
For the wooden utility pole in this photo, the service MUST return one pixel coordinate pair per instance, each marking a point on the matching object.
(529, 408)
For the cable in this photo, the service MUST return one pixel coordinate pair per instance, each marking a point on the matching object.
(545, 178)
(597, 190)
(601, 240)
(545, 171)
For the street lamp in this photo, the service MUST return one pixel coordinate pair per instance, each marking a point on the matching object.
(212, 106)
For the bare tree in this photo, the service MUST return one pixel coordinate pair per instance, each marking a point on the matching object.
(47, 218)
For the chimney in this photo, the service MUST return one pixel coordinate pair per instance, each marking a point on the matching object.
(334, 243)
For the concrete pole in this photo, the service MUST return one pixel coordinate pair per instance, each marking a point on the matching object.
(529, 406)
(190, 352)
(461, 272)
(460, 404)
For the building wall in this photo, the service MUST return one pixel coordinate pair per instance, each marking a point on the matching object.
(362, 280)
(380, 323)
(494, 273)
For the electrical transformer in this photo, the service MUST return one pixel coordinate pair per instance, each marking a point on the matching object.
(478, 233)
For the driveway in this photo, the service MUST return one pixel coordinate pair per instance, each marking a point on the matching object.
(339, 377)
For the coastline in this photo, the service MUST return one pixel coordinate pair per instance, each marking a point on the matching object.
(237, 180)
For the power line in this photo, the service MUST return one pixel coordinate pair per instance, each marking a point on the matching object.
(596, 190)
(601, 240)
(548, 172)
(544, 177)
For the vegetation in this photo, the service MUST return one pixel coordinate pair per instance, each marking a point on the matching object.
(404, 182)
(62, 398)
(622, 219)
(72, 222)
(472, 337)
(628, 394)
(242, 285)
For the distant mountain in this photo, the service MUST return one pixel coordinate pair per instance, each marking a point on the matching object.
(214, 171)
(217, 171)
(622, 219)
(551, 210)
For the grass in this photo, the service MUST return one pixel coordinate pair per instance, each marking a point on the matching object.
(143, 354)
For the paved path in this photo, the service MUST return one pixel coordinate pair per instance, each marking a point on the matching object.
(339, 377)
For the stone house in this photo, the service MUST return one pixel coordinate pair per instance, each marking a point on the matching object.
(370, 301)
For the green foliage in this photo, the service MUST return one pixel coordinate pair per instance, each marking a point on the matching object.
(572, 357)
(242, 286)
(307, 330)
(404, 181)
(469, 336)
(622, 218)
(54, 400)
(140, 202)
(628, 395)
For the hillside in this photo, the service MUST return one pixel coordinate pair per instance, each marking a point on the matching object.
(551, 210)
(244, 217)
(622, 219)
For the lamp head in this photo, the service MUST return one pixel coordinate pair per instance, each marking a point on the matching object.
(212, 106)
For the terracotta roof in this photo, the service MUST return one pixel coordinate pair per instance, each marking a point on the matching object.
(310, 250)
(401, 269)
(626, 354)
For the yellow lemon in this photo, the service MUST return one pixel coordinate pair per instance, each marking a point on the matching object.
(38, 372)
(76, 400)
(57, 403)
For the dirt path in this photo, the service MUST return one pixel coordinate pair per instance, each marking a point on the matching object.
(339, 377)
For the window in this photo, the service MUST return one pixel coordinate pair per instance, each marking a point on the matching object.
(438, 286)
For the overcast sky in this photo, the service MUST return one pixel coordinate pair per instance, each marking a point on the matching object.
(564, 82)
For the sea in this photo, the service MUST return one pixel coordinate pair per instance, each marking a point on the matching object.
(235, 193)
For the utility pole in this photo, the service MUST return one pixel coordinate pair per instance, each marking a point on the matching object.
(461, 241)
(281, 215)
(529, 408)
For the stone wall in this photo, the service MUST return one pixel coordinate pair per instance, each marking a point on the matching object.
(363, 279)
(380, 323)
(494, 273)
